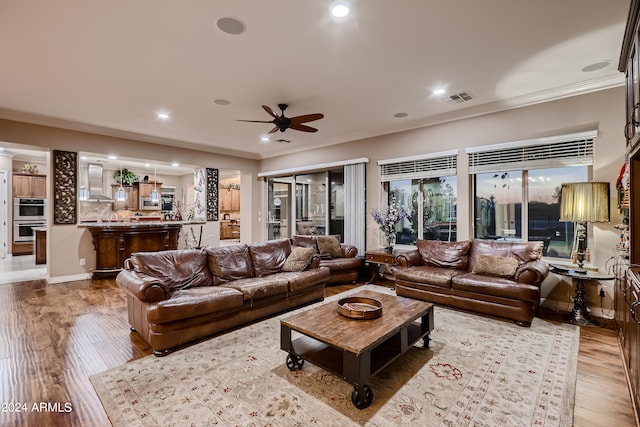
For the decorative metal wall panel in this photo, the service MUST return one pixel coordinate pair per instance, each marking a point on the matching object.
(212, 194)
(65, 182)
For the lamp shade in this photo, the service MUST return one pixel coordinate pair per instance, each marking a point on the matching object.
(585, 202)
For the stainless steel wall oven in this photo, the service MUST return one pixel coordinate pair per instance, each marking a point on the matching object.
(29, 209)
(23, 230)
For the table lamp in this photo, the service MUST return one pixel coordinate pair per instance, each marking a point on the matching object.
(580, 203)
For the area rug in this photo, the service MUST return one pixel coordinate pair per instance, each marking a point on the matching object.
(478, 371)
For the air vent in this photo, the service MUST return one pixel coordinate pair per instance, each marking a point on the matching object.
(283, 141)
(461, 97)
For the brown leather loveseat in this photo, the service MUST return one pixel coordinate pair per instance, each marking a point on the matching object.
(339, 258)
(178, 296)
(499, 278)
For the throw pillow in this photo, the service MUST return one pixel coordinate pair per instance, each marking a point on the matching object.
(329, 245)
(298, 259)
(497, 266)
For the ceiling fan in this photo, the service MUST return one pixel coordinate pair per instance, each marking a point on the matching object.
(283, 123)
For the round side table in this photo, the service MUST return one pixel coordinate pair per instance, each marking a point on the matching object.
(580, 313)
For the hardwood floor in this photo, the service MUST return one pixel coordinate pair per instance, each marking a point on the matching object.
(52, 338)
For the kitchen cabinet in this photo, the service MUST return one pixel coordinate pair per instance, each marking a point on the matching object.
(229, 199)
(40, 246)
(630, 65)
(628, 327)
(229, 230)
(627, 290)
(33, 186)
(22, 248)
(145, 188)
(115, 243)
(131, 203)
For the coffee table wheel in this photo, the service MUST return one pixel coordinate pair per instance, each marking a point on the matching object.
(294, 362)
(362, 397)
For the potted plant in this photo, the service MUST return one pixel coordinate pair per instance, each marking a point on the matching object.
(125, 177)
(387, 220)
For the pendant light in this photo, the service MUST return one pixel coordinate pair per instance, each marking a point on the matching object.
(121, 196)
(83, 194)
(155, 197)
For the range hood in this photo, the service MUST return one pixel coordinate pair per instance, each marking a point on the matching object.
(95, 184)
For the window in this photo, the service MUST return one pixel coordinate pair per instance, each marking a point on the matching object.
(517, 189)
(426, 187)
(431, 207)
(499, 200)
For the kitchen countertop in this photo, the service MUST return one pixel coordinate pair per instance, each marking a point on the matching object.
(134, 224)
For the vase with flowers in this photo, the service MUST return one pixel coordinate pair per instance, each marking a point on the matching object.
(387, 219)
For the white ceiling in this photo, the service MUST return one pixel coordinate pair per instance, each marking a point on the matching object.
(109, 66)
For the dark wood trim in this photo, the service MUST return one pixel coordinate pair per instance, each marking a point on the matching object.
(629, 34)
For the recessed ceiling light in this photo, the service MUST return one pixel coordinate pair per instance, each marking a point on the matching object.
(400, 115)
(596, 66)
(147, 165)
(340, 10)
(221, 101)
(162, 116)
(438, 91)
(264, 138)
(231, 25)
(175, 164)
(112, 157)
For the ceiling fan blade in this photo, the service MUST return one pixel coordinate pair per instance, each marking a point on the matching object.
(274, 130)
(306, 118)
(303, 128)
(270, 111)
(256, 121)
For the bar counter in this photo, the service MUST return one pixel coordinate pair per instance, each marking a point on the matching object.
(115, 241)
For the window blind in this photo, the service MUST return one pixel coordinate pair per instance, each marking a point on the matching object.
(418, 167)
(559, 151)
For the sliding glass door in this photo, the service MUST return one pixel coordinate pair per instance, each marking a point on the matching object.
(279, 208)
(316, 205)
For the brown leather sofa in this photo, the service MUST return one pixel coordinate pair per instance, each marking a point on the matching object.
(343, 268)
(498, 278)
(178, 296)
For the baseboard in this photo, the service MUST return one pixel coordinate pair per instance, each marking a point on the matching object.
(72, 278)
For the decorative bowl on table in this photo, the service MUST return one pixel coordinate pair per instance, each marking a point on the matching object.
(360, 307)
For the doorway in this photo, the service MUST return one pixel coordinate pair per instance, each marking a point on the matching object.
(311, 203)
(279, 212)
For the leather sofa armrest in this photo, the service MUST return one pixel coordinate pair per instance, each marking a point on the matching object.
(146, 288)
(348, 251)
(409, 258)
(532, 272)
(315, 262)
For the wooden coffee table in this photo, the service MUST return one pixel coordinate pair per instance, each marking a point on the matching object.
(356, 349)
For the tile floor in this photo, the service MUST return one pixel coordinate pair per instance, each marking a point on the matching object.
(20, 268)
